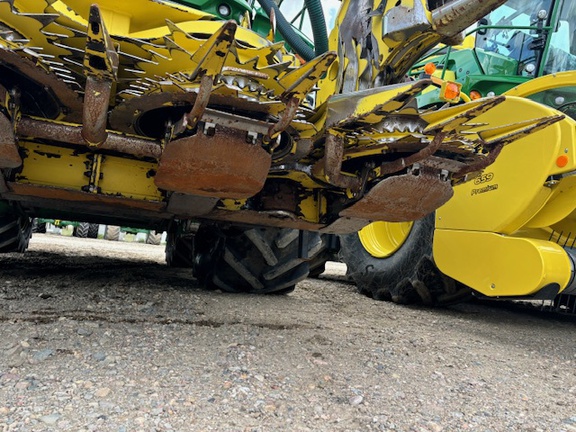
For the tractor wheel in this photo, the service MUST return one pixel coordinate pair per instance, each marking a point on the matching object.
(93, 230)
(81, 230)
(328, 252)
(393, 261)
(15, 233)
(179, 249)
(257, 260)
(565, 303)
(153, 238)
(38, 227)
(317, 268)
(112, 233)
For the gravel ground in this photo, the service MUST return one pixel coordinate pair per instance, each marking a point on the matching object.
(101, 336)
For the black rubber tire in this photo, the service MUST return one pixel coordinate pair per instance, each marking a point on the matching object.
(38, 227)
(258, 260)
(153, 238)
(93, 230)
(179, 249)
(112, 233)
(317, 268)
(81, 230)
(565, 303)
(408, 276)
(328, 252)
(15, 233)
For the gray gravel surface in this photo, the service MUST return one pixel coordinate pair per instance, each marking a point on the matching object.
(101, 336)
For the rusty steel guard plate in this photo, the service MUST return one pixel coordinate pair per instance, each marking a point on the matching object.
(9, 156)
(223, 165)
(402, 198)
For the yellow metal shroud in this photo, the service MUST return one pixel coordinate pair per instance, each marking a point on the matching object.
(504, 232)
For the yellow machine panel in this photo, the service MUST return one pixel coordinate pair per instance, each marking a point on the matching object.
(518, 178)
(500, 266)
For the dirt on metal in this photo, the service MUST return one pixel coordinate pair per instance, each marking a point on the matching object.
(220, 165)
(405, 197)
(9, 156)
(130, 145)
(71, 200)
(95, 112)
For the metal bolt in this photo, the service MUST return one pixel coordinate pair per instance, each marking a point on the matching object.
(252, 137)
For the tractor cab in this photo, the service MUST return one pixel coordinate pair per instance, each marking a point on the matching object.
(511, 40)
(531, 38)
(519, 41)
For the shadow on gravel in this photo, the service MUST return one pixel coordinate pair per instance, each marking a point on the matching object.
(501, 311)
(106, 280)
(93, 270)
(45, 287)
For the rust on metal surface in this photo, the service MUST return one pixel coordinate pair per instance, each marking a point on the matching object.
(3, 95)
(9, 156)
(210, 58)
(231, 70)
(101, 67)
(235, 121)
(402, 163)
(359, 46)
(280, 219)
(272, 33)
(47, 130)
(81, 199)
(346, 109)
(521, 130)
(125, 116)
(3, 186)
(95, 111)
(457, 15)
(402, 198)
(201, 102)
(345, 225)
(455, 123)
(280, 196)
(331, 165)
(67, 98)
(285, 119)
(440, 163)
(223, 165)
(480, 164)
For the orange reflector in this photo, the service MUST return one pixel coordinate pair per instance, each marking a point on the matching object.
(475, 94)
(452, 91)
(562, 161)
(429, 68)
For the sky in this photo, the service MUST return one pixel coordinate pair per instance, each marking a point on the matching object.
(291, 7)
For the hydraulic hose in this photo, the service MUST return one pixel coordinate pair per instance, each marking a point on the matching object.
(316, 14)
(291, 37)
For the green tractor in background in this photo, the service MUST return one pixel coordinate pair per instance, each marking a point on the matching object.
(92, 230)
(79, 229)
